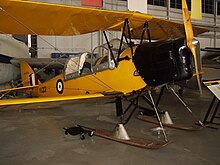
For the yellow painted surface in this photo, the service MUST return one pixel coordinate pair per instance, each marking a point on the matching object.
(48, 99)
(54, 19)
(207, 68)
(196, 9)
(26, 71)
(120, 79)
(189, 40)
(200, 73)
(20, 88)
(209, 82)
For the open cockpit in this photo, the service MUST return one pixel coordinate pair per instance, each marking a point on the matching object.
(98, 60)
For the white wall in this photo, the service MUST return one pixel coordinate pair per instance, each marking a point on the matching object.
(141, 6)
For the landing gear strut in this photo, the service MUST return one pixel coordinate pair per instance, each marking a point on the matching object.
(135, 103)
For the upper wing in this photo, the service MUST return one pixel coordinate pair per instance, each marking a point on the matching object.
(53, 19)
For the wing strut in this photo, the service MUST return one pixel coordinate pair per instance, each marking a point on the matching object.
(122, 36)
(110, 48)
(129, 35)
(146, 27)
(126, 26)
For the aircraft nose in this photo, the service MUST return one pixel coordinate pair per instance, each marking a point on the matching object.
(163, 61)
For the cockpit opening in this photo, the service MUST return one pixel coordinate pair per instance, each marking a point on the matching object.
(87, 63)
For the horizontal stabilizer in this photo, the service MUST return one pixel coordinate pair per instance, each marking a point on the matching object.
(18, 89)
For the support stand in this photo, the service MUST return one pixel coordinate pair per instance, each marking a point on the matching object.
(134, 103)
(214, 114)
(119, 107)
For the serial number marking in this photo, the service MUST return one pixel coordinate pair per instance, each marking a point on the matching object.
(43, 89)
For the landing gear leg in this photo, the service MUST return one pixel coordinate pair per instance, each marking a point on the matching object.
(184, 104)
(157, 114)
(119, 108)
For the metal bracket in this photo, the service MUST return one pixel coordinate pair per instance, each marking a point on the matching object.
(119, 108)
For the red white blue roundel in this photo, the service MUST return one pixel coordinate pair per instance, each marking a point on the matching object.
(59, 86)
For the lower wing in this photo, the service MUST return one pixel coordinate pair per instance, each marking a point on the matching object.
(42, 102)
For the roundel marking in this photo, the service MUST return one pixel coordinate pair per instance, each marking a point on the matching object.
(59, 86)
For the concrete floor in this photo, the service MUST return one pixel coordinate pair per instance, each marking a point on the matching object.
(36, 136)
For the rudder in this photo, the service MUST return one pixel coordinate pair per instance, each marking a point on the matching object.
(27, 75)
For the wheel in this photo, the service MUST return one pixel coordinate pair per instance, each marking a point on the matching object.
(91, 133)
(82, 136)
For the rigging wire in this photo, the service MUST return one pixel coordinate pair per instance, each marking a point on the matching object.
(33, 32)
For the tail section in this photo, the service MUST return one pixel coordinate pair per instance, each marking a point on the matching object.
(28, 76)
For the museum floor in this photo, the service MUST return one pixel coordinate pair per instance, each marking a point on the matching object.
(36, 136)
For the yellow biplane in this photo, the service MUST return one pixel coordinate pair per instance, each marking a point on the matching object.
(163, 55)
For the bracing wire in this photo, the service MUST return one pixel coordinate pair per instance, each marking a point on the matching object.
(33, 32)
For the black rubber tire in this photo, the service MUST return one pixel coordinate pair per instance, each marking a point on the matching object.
(82, 136)
(91, 133)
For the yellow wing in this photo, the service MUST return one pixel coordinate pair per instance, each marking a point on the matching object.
(58, 100)
(53, 19)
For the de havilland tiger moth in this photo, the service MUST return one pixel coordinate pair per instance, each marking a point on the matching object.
(163, 56)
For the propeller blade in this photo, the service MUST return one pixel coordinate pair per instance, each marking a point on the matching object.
(189, 40)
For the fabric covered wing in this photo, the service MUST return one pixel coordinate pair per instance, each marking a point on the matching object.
(24, 17)
(79, 98)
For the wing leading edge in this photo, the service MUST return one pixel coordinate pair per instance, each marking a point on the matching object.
(60, 20)
(52, 99)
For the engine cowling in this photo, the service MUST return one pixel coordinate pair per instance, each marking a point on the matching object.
(163, 62)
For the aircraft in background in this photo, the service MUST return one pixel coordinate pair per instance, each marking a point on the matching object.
(10, 48)
(211, 57)
(163, 55)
